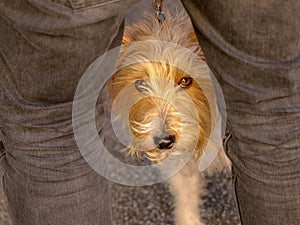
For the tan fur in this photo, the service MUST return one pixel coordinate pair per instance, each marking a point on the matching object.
(162, 99)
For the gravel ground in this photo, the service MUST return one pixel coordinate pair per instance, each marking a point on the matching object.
(153, 205)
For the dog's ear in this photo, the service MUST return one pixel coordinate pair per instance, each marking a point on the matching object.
(194, 38)
(127, 38)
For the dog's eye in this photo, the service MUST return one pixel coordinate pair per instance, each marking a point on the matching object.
(141, 85)
(185, 82)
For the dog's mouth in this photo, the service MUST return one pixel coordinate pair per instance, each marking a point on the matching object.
(161, 148)
(156, 155)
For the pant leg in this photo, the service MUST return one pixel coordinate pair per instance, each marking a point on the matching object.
(252, 47)
(45, 47)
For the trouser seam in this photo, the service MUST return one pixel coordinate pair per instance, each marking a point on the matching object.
(236, 195)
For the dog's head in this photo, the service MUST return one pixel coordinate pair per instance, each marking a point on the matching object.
(158, 98)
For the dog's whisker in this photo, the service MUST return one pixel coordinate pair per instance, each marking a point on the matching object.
(125, 149)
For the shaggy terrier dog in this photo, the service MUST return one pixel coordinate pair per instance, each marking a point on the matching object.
(161, 91)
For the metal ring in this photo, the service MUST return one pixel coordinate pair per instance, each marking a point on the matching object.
(157, 5)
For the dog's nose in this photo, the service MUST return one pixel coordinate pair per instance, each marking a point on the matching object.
(164, 142)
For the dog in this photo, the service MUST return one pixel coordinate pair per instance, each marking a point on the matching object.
(162, 91)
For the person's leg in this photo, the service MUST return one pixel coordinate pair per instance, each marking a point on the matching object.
(45, 47)
(252, 47)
